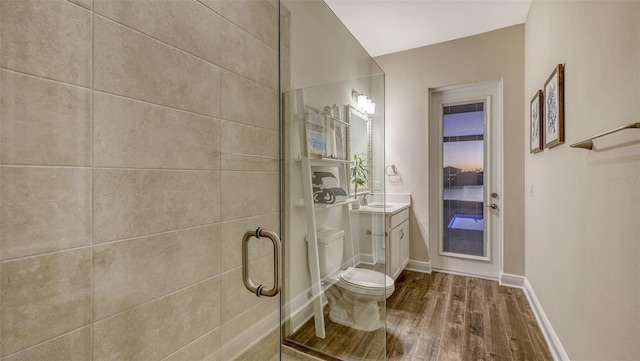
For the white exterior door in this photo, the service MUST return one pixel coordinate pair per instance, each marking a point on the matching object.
(465, 179)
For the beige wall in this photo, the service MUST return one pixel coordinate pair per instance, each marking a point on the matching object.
(582, 227)
(497, 55)
(139, 142)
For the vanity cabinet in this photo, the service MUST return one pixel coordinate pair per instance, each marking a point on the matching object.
(382, 235)
(397, 243)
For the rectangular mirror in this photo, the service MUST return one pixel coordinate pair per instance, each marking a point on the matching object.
(359, 142)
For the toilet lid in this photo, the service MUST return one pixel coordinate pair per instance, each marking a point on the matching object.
(366, 278)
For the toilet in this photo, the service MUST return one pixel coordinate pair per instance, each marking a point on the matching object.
(353, 293)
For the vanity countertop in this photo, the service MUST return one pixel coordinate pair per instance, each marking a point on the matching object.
(379, 207)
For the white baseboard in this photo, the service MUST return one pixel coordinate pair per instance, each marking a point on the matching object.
(510, 280)
(418, 266)
(301, 316)
(553, 341)
(304, 314)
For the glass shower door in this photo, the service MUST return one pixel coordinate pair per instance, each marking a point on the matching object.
(329, 248)
(140, 141)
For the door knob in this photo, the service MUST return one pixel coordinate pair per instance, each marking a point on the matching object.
(493, 206)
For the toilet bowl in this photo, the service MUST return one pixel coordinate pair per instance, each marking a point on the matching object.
(354, 294)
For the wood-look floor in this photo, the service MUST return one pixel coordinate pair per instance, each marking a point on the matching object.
(438, 316)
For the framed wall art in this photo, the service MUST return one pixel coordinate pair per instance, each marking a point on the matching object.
(316, 133)
(554, 108)
(535, 123)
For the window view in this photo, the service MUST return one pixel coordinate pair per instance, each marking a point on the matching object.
(463, 186)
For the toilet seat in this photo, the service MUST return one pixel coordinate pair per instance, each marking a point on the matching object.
(366, 282)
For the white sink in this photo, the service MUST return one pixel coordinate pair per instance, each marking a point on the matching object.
(380, 205)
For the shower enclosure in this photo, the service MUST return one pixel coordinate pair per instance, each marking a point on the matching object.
(324, 126)
(139, 142)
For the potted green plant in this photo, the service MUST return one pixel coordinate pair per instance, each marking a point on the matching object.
(358, 174)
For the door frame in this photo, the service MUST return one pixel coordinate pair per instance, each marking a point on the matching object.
(489, 92)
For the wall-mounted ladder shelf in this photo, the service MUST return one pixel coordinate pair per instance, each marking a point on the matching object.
(308, 161)
(588, 143)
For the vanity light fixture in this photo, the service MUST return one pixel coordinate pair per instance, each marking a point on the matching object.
(364, 103)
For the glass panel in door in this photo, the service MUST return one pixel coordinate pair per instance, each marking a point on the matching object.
(330, 250)
(463, 180)
(139, 144)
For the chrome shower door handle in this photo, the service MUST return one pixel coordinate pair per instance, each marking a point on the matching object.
(259, 290)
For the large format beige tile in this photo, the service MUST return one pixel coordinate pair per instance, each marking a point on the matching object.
(44, 122)
(247, 162)
(43, 210)
(132, 272)
(43, 297)
(255, 16)
(248, 56)
(267, 348)
(245, 332)
(285, 29)
(87, 4)
(130, 64)
(236, 299)
(130, 203)
(285, 69)
(245, 101)
(73, 346)
(158, 328)
(186, 25)
(206, 348)
(134, 134)
(231, 234)
(51, 39)
(247, 194)
(247, 140)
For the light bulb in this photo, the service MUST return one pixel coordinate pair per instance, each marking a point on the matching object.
(362, 99)
(371, 107)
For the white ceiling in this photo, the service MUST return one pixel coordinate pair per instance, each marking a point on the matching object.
(389, 26)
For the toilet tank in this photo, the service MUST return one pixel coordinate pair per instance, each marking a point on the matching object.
(330, 242)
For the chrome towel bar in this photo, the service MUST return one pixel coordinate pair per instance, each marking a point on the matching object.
(588, 143)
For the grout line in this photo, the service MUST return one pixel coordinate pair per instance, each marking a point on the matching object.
(44, 166)
(22, 258)
(240, 26)
(187, 170)
(187, 53)
(47, 340)
(207, 333)
(221, 118)
(219, 222)
(91, 197)
(150, 169)
(176, 291)
(80, 6)
(163, 233)
(156, 104)
(160, 169)
(44, 78)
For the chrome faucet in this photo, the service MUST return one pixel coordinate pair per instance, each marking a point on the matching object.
(364, 200)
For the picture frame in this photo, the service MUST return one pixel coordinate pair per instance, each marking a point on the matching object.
(554, 108)
(535, 123)
(316, 134)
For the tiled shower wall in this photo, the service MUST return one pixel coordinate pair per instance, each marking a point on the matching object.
(138, 142)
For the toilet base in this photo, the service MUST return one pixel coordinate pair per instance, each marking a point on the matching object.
(355, 311)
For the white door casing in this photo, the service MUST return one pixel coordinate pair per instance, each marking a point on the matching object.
(489, 93)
